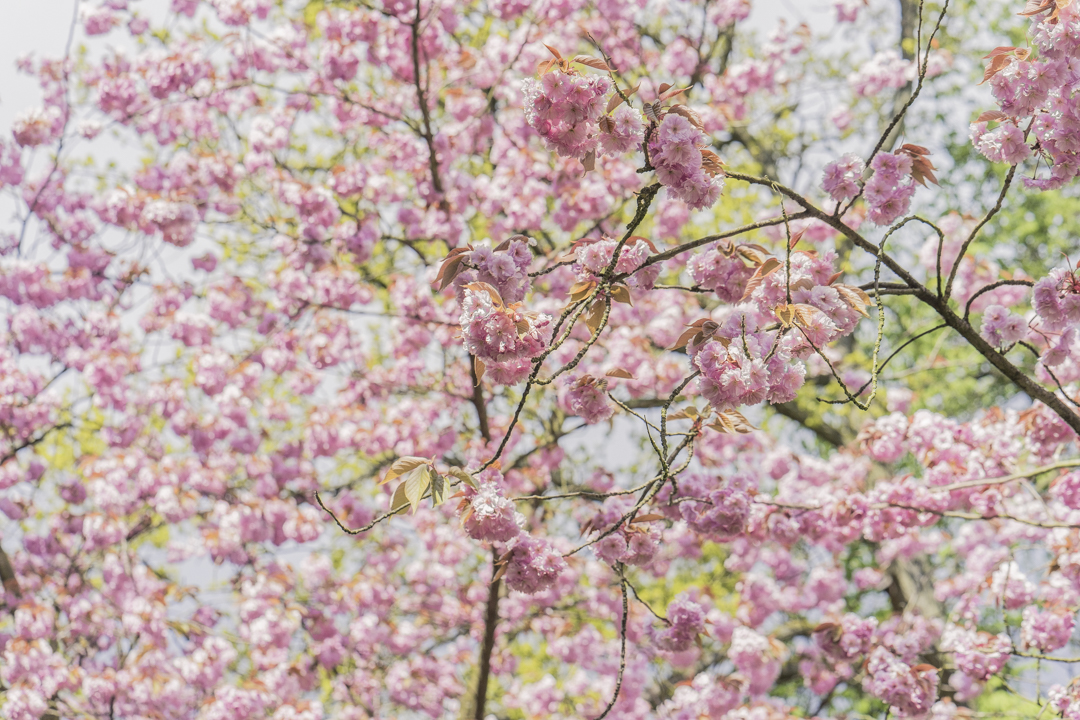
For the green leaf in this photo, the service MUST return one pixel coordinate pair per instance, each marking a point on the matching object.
(402, 466)
(416, 485)
(463, 476)
(399, 500)
(438, 489)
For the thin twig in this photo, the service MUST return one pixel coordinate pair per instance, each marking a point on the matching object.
(622, 648)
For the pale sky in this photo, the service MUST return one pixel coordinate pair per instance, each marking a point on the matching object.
(37, 26)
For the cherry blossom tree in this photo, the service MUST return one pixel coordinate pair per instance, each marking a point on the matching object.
(555, 359)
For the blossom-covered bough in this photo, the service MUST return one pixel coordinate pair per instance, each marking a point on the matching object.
(550, 359)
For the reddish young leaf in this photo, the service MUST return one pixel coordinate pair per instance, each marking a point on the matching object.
(711, 163)
(590, 61)
(651, 517)
(499, 575)
(667, 94)
(1034, 7)
(689, 114)
(451, 267)
(635, 239)
(764, 270)
(796, 237)
(580, 290)
(401, 466)
(617, 99)
(505, 244)
(855, 297)
(804, 314)
(999, 60)
(553, 51)
(595, 315)
(589, 161)
(496, 299)
(754, 253)
(621, 293)
(992, 116)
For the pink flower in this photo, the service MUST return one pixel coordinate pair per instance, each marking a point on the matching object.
(1002, 328)
(490, 516)
(1046, 630)
(586, 397)
(564, 110)
(533, 565)
(686, 620)
(907, 690)
(841, 178)
(495, 332)
(675, 150)
(979, 655)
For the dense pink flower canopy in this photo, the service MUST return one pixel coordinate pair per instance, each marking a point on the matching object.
(461, 359)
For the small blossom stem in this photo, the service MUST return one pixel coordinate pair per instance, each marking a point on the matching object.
(688, 246)
(622, 647)
(988, 288)
(584, 348)
(1009, 478)
(975, 231)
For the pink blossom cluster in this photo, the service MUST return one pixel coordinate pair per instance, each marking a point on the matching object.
(1036, 90)
(534, 565)
(848, 638)
(634, 545)
(887, 70)
(593, 256)
(979, 655)
(1005, 143)
(37, 126)
(910, 691)
(707, 695)
(1056, 300)
(1001, 327)
(686, 621)
(744, 364)
(586, 397)
(625, 131)
(1066, 489)
(1046, 630)
(888, 191)
(747, 372)
(842, 178)
(725, 274)
(490, 516)
(506, 270)
(565, 109)
(1066, 700)
(723, 512)
(11, 170)
(847, 11)
(499, 333)
(884, 71)
(675, 150)
(756, 657)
